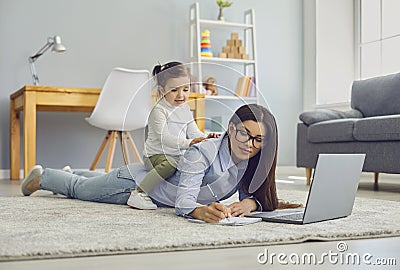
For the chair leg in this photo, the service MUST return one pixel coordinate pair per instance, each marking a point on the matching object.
(100, 151)
(123, 141)
(133, 147)
(111, 139)
(376, 177)
(111, 150)
(308, 176)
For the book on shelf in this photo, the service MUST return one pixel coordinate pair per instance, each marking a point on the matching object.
(252, 91)
(244, 86)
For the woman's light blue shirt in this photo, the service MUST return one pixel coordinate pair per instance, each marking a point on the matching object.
(205, 173)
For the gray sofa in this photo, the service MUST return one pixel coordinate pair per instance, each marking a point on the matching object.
(372, 126)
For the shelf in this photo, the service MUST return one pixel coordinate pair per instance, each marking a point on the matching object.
(224, 66)
(227, 60)
(231, 98)
(225, 24)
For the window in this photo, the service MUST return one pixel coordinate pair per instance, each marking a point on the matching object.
(347, 40)
(379, 38)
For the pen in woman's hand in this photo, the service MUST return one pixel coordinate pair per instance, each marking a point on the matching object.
(213, 194)
(225, 210)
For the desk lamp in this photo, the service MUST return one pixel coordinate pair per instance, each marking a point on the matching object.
(55, 43)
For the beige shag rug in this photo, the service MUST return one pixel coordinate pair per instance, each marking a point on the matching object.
(56, 227)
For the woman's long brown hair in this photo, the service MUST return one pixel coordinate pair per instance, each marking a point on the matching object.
(261, 168)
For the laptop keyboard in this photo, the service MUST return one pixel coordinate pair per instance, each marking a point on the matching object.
(295, 216)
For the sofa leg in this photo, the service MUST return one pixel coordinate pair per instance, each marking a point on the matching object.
(308, 176)
(376, 176)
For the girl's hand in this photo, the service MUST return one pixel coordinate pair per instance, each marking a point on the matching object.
(196, 140)
(242, 208)
(212, 213)
(213, 135)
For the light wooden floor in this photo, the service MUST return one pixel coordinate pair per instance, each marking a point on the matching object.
(234, 258)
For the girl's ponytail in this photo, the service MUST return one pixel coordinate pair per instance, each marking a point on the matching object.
(162, 73)
(157, 69)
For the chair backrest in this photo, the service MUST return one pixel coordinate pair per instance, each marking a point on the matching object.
(125, 101)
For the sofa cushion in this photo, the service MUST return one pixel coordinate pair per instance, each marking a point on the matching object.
(379, 128)
(377, 96)
(340, 130)
(319, 115)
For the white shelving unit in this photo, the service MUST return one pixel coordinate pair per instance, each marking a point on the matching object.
(248, 66)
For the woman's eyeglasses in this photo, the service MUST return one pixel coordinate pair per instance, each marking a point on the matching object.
(243, 137)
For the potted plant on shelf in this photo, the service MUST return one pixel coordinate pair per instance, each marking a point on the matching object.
(223, 4)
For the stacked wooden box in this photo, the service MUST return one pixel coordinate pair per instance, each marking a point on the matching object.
(234, 48)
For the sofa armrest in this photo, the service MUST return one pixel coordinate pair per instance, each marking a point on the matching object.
(319, 115)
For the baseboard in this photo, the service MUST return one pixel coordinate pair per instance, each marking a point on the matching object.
(280, 170)
(284, 170)
(295, 171)
(5, 174)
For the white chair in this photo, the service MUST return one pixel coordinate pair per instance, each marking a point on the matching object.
(123, 106)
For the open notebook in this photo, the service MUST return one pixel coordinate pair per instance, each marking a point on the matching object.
(232, 221)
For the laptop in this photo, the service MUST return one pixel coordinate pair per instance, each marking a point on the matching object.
(332, 191)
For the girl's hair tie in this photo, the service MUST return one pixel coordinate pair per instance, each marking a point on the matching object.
(157, 69)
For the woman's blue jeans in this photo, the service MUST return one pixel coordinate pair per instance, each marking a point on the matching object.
(113, 187)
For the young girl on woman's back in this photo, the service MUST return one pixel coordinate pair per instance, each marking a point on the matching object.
(171, 130)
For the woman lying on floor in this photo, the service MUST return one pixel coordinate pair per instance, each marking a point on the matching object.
(242, 160)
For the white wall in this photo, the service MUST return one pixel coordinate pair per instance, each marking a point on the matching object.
(329, 57)
(335, 50)
(100, 35)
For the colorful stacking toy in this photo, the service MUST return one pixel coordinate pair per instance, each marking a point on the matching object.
(206, 44)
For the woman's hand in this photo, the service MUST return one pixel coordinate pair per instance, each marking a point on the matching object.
(242, 208)
(212, 213)
(196, 140)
